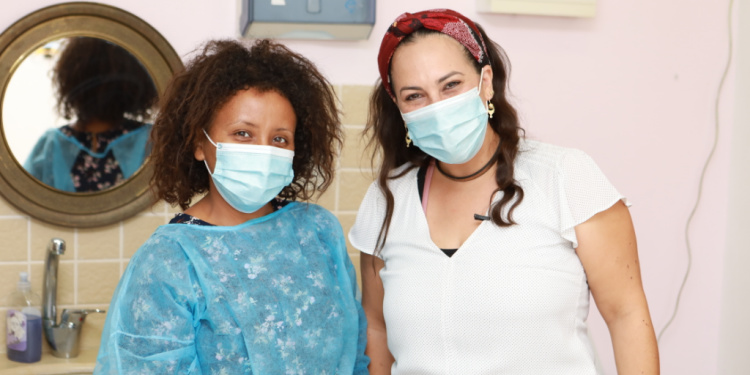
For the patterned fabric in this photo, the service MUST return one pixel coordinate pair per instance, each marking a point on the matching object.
(275, 295)
(183, 218)
(91, 173)
(446, 21)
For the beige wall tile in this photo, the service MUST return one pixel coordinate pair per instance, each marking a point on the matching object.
(99, 243)
(8, 209)
(97, 282)
(91, 332)
(172, 210)
(42, 233)
(65, 281)
(137, 230)
(337, 92)
(347, 221)
(355, 262)
(355, 100)
(355, 153)
(328, 199)
(353, 187)
(3, 330)
(164, 208)
(15, 244)
(9, 281)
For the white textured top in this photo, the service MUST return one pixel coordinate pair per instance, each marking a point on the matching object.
(511, 300)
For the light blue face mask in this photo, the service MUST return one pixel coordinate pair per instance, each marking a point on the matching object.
(249, 176)
(451, 130)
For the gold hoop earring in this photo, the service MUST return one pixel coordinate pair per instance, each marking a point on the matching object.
(490, 109)
(408, 138)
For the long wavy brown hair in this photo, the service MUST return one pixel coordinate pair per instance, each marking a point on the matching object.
(210, 80)
(386, 131)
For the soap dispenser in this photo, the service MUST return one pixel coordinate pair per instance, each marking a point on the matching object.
(24, 323)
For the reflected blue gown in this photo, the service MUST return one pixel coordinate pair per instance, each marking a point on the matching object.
(275, 295)
(52, 159)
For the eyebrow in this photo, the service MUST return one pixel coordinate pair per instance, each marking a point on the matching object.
(440, 80)
(253, 125)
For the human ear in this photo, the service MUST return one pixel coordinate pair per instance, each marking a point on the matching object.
(198, 152)
(487, 89)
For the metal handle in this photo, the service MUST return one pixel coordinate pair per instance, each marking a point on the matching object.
(73, 317)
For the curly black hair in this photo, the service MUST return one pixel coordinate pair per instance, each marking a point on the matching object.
(99, 80)
(220, 70)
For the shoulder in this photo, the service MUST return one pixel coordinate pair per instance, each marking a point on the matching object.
(313, 213)
(399, 178)
(163, 247)
(161, 260)
(536, 158)
(320, 221)
(49, 135)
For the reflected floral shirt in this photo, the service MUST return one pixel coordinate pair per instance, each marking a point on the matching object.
(275, 295)
(90, 173)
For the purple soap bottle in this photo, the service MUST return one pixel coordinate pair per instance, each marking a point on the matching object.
(24, 324)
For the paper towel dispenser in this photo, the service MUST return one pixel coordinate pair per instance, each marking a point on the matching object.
(307, 19)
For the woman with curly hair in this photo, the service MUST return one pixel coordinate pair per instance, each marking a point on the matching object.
(108, 95)
(479, 247)
(247, 280)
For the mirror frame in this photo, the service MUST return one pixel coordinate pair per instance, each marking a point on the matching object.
(17, 186)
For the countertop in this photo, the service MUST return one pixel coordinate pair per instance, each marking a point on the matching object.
(49, 365)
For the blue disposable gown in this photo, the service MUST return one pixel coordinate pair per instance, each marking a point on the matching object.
(52, 158)
(275, 295)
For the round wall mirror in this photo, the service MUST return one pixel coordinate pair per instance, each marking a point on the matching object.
(79, 84)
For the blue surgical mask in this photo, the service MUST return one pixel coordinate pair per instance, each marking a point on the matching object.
(249, 176)
(451, 130)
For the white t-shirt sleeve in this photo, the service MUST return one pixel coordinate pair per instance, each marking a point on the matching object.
(364, 234)
(584, 192)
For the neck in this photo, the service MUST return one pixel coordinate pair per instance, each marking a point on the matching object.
(93, 126)
(215, 210)
(478, 164)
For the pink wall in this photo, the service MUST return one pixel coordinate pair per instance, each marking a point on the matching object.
(634, 87)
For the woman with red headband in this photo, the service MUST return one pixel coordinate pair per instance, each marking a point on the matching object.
(480, 247)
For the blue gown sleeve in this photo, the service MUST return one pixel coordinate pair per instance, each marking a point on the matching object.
(333, 235)
(360, 366)
(362, 360)
(150, 327)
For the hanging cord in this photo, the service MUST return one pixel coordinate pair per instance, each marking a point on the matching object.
(703, 175)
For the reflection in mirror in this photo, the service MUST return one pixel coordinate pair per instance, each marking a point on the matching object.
(77, 114)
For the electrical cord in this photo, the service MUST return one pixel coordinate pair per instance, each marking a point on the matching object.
(703, 175)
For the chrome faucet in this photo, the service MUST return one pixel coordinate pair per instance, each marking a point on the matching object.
(64, 338)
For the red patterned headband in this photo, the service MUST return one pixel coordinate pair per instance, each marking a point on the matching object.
(445, 21)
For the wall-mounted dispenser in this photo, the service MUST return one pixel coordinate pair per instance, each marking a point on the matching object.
(307, 19)
(563, 8)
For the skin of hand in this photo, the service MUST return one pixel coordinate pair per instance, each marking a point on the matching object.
(372, 302)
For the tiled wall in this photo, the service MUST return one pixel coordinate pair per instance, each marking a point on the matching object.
(95, 258)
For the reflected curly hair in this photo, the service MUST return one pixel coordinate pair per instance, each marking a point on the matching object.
(210, 80)
(99, 80)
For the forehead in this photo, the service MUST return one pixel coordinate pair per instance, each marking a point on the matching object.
(426, 56)
(258, 107)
